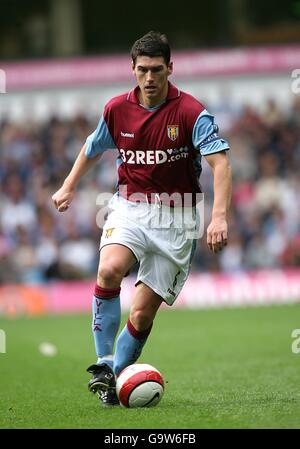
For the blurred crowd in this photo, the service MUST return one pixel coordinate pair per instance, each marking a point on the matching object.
(38, 244)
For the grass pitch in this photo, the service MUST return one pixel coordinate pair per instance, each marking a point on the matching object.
(231, 368)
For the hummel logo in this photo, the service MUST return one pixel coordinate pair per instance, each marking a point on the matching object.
(127, 135)
(171, 292)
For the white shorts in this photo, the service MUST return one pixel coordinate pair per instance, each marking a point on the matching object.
(160, 239)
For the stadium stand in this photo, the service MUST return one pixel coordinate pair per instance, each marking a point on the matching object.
(38, 245)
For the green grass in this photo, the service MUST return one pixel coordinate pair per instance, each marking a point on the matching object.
(230, 368)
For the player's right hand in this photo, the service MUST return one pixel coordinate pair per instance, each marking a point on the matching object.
(63, 198)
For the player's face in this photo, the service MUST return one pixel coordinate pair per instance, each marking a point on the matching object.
(152, 77)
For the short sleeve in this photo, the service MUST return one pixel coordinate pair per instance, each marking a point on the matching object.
(100, 140)
(205, 135)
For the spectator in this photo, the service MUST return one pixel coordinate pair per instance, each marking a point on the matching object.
(36, 245)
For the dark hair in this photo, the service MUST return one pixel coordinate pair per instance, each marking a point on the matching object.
(152, 44)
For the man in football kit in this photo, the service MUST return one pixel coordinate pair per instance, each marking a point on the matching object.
(161, 134)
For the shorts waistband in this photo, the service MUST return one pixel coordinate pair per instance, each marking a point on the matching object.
(160, 200)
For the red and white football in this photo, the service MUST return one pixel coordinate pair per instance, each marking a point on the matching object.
(140, 385)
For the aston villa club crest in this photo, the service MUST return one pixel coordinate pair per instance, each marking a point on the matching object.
(109, 232)
(173, 131)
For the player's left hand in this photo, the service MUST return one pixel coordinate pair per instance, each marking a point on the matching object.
(217, 234)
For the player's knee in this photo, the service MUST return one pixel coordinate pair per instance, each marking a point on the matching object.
(109, 275)
(141, 319)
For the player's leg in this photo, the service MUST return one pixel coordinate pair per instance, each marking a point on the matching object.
(115, 261)
(133, 337)
(160, 278)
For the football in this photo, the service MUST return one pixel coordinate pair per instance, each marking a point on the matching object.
(140, 385)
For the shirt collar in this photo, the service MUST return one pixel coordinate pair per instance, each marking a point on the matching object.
(173, 92)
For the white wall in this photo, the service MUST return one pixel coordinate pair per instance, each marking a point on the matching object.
(67, 102)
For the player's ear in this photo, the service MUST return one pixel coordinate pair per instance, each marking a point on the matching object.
(170, 68)
(132, 66)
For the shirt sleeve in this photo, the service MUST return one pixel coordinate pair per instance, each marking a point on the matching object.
(100, 140)
(205, 135)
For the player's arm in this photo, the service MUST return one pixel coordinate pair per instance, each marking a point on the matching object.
(214, 149)
(217, 231)
(64, 196)
(96, 144)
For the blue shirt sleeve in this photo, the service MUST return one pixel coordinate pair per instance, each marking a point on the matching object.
(100, 140)
(205, 135)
